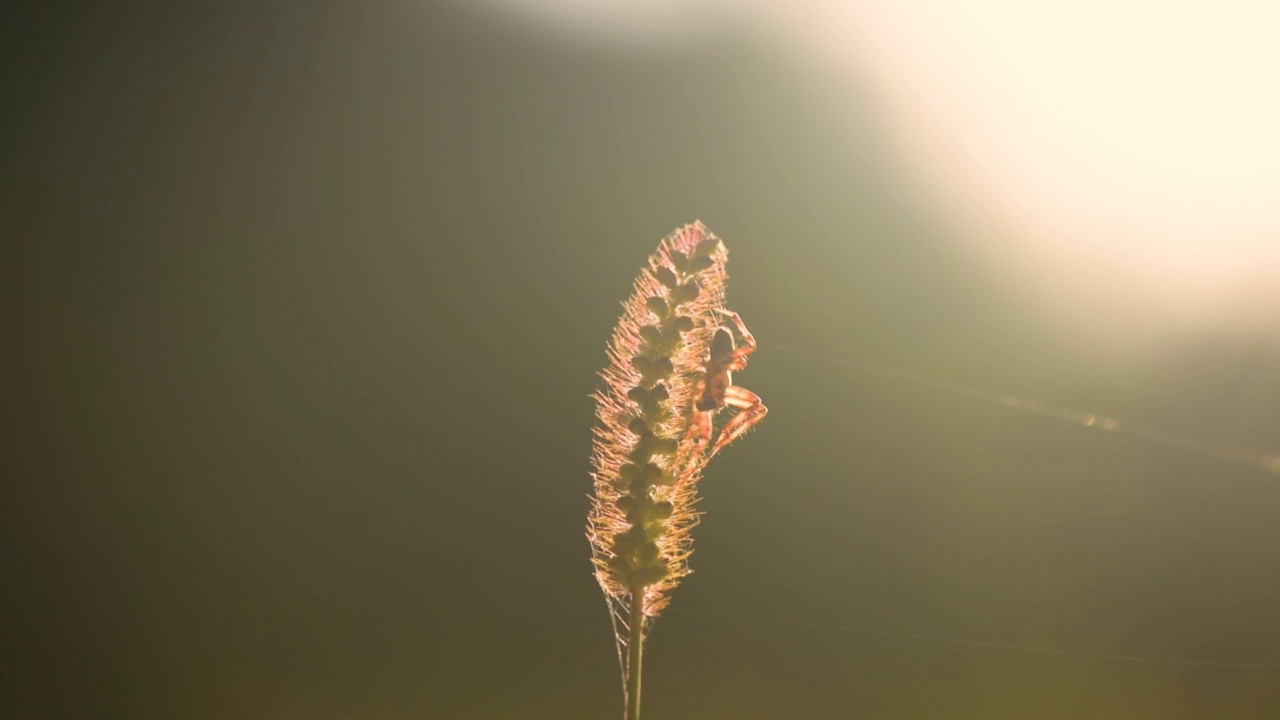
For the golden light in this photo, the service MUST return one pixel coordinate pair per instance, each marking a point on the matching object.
(1119, 157)
(1111, 151)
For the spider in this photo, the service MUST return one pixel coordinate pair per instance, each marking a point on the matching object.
(716, 390)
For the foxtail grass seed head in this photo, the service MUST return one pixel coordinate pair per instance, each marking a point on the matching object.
(648, 453)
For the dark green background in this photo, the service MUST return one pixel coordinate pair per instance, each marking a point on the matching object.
(306, 304)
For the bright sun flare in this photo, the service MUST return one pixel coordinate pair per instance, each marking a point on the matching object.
(1126, 147)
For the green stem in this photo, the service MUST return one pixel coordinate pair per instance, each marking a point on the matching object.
(635, 644)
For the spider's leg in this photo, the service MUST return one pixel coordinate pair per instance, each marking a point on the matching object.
(748, 340)
(752, 411)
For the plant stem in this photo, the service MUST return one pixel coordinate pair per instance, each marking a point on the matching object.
(635, 644)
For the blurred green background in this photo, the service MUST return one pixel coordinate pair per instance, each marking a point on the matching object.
(308, 301)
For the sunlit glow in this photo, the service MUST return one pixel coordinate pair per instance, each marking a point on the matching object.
(646, 26)
(1119, 155)
(1114, 150)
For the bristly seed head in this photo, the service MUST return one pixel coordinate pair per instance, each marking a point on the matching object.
(646, 464)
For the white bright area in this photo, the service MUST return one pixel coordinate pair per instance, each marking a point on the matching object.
(1118, 157)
